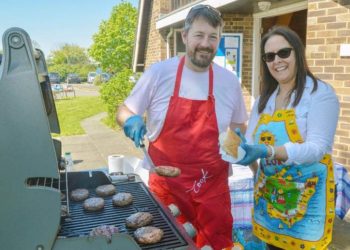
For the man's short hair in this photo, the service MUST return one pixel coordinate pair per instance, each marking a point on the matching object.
(209, 13)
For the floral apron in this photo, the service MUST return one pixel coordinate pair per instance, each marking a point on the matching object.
(293, 204)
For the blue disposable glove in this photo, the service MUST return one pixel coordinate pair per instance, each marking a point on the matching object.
(135, 129)
(252, 153)
(238, 132)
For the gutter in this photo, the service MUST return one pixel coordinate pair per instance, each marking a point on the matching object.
(180, 15)
(167, 42)
(138, 34)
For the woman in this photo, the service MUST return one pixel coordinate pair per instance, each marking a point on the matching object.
(291, 130)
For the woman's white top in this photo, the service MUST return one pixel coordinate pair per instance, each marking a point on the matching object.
(316, 115)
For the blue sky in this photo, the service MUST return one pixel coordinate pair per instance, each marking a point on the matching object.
(52, 23)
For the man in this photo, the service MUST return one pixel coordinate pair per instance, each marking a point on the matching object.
(189, 101)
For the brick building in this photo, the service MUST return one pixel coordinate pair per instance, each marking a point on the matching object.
(323, 25)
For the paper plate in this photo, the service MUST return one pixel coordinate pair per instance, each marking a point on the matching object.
(225, 156)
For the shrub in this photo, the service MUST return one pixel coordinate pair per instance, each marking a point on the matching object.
(98, 80)
(114, 92)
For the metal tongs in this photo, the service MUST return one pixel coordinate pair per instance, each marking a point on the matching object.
(148, 157)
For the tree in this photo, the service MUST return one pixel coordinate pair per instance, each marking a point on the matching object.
(69, 54)
(113, 44)
(114, 92)
(70, 58)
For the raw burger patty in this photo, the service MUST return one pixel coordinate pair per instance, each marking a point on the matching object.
(148, 235)
(104, 230)
(122, 199)
(105, 190)
(139, 219)
(167, 171)
(79, 194)
(94, 204)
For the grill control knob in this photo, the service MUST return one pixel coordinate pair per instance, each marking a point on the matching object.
(189, 228)
(174, 210)
(206, 247)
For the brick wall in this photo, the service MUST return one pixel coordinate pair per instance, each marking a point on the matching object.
(328, 26)
(156, 43)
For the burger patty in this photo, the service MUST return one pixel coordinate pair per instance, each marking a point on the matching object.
(139, 219)
(105, 190)
(94, 204)
(104, 230)
(167, 171)
(122, 199)
(79, 194)
(148, 235)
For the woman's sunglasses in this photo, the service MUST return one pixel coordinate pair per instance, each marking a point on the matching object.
(282, 53)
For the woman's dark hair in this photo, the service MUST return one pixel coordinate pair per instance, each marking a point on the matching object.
(269, 84)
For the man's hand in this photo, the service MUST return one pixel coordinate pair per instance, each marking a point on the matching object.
(135, 129)
(252, 153)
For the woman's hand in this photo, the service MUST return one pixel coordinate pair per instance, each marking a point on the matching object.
(252, 153)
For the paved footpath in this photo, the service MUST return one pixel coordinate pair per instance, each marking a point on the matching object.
(91, 151)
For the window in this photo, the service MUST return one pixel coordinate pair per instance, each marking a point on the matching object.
(179, 46)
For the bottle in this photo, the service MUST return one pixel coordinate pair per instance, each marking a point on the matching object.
(69, 160)
(189, 228)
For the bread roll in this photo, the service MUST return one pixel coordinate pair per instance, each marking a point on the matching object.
(231, 143)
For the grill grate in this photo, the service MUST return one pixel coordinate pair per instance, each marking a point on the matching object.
(80, 222)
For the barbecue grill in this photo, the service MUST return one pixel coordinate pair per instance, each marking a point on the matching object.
(34, 175)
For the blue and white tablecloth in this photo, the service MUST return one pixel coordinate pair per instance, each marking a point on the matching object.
(342, 180)
(241, 185)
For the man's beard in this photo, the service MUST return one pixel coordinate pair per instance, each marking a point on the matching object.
(201, 61)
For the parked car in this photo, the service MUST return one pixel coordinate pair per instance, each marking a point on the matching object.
(54, 78)
(91, 77)
(105, 77)
(73, 78)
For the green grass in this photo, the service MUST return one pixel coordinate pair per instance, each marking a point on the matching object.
(73, 110)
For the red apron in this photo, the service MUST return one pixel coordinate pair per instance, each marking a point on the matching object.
(189, 141)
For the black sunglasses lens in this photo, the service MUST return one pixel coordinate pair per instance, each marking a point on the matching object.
(269, 57)
(282, 53)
